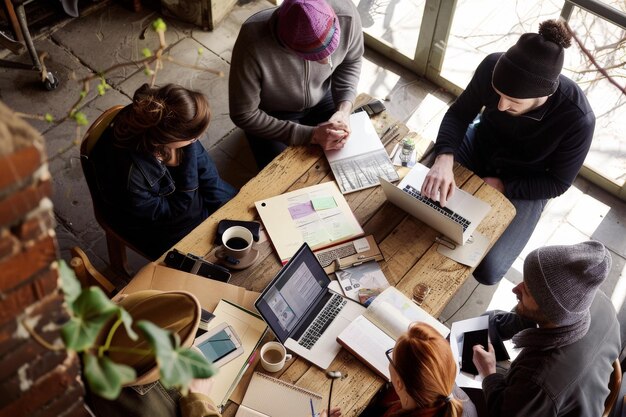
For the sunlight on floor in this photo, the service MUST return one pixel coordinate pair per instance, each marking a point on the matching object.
(375, 80)
(619, 292)
(503, 298)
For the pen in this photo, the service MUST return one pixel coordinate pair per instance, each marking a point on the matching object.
(312, 409)
(394, 151)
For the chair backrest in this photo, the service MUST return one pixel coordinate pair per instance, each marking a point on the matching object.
(615, 384)
(116, 244)
(96, 129)
(90, 139)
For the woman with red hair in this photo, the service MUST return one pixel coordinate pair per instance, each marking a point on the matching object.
(422, 371)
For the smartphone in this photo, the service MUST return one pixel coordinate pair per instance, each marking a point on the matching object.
(196, 265)
(470, 339)
(220, 344)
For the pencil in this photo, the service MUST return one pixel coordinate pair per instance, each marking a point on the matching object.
(312, 409)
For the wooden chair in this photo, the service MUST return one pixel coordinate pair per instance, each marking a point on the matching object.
(87, 274)
(116, 244)
(615, 384)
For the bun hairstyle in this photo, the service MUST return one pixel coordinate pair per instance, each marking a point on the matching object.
(555, 31)
(423, 359)
(159, 116)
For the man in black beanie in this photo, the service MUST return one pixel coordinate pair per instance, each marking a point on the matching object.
(568, 333)
(529, 142)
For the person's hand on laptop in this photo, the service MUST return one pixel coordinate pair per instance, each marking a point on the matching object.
(331, 135)
(439, 182)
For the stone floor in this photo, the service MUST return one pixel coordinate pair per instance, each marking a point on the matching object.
(110, 34)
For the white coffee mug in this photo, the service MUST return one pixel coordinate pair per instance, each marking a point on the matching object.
(273, 356)
(237, 241)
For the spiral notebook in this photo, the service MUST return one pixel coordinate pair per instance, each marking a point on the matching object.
(271, 397)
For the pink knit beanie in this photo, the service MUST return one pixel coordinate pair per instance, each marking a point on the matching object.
(309, 28)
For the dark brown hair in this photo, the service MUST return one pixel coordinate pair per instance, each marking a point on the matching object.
(159, 116)
(424, 361)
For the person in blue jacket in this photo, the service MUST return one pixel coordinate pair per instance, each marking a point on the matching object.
(530, 129)
(155, 179)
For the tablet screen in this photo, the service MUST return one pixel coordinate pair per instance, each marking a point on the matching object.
(217, 346)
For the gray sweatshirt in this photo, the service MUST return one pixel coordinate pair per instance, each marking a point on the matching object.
(266, 77)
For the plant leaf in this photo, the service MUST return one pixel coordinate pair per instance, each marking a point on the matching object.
(105, 377)
(199, 365)
(174, 372)
(127, 320)
(147, 53)
(69, 283)
(159, 25)
(90, 311)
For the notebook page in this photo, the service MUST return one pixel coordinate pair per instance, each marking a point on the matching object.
(244, 411)
(277, 398)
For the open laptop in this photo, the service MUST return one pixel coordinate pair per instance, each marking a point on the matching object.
(304, 314)
(457, 221)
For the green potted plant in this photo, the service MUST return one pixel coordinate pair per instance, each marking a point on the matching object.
(90, 312)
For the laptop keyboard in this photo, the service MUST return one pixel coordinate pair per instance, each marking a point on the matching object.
(412, 191)
(326, 258)
(322, 321)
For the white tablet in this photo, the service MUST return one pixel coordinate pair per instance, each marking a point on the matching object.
(219, 344)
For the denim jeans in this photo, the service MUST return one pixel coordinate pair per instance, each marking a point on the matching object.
(508, 247)
(264, 150)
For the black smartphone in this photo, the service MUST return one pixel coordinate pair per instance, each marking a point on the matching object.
(372, 108)
(196, 265)
(471, 339)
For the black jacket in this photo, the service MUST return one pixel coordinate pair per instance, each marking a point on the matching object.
(538, 154)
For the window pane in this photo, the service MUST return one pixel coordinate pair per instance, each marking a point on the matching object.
(606, 44)
(482, 27)
(394, 22)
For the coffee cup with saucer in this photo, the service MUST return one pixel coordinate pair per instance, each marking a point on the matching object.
(236, 251)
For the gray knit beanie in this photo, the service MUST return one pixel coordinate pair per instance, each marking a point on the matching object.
(531, 67)
(563, 279)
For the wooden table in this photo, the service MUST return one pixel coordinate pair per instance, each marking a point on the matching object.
(407, 244)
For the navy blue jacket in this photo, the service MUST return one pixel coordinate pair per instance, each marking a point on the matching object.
(538, 154)
(153, 205)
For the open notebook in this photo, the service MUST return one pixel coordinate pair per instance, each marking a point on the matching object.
(271, 397)
(363, 159)
(376, 330)
(318, 215)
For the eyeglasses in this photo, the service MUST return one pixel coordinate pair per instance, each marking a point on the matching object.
(388, 354)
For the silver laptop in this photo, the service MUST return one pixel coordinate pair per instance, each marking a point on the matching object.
(304, 314)
(457, 221)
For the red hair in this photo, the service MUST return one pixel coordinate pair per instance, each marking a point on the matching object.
(423, 360)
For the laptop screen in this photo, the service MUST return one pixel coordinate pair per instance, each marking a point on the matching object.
(291, 294)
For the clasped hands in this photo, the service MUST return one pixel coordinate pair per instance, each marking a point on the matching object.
(334, 133)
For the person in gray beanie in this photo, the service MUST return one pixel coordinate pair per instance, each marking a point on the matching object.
(568, 332)
(524, 128)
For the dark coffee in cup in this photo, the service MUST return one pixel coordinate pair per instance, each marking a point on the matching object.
(236, 243)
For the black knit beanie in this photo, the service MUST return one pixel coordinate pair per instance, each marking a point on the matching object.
(563, 279)
(531, 67)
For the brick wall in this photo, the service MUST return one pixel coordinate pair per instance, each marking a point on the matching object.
(34, 381)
